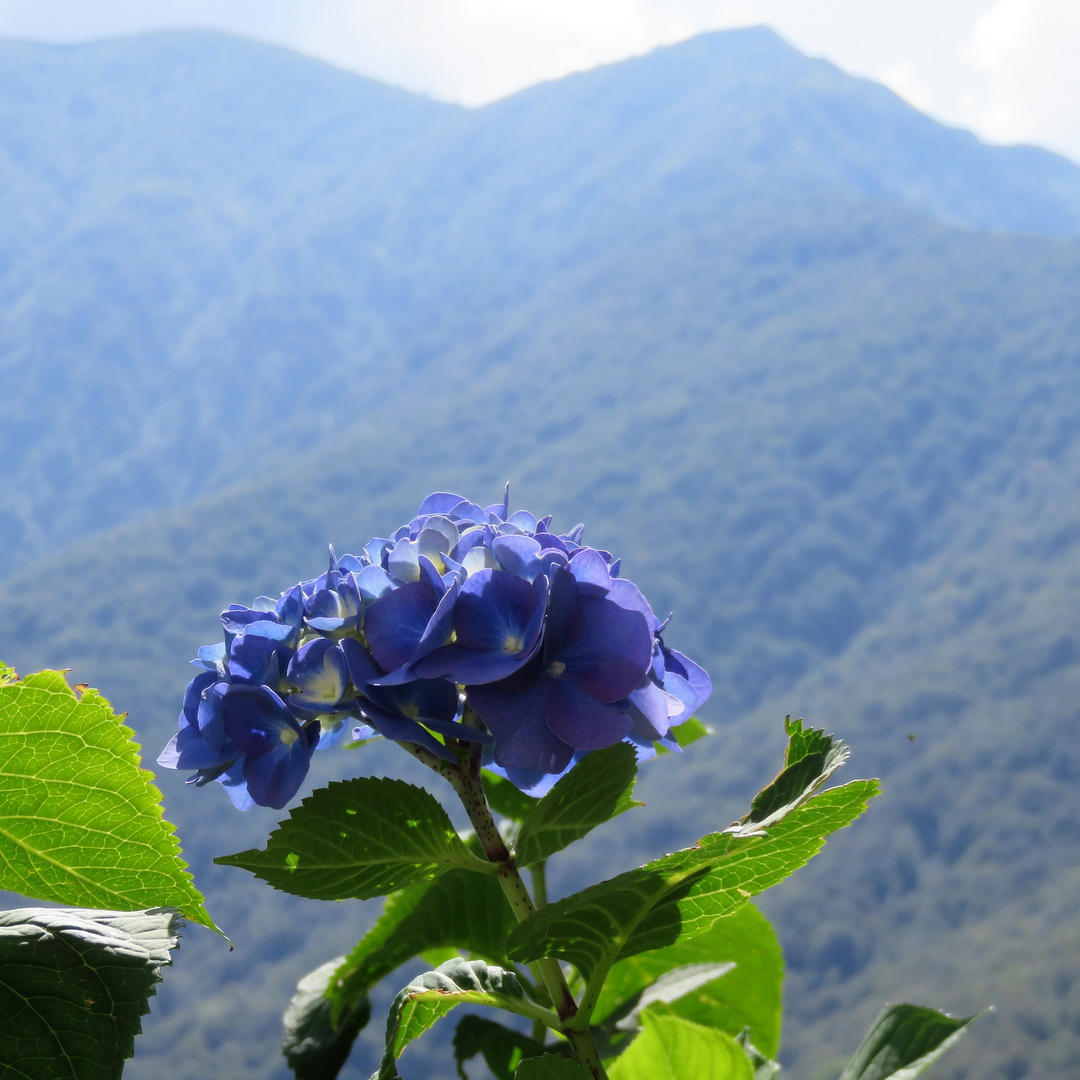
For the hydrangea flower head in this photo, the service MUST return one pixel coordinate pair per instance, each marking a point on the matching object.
(553, 652)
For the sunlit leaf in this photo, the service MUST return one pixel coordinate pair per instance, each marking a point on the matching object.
(80, 821)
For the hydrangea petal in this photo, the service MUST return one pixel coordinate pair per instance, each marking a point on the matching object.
(581, 721)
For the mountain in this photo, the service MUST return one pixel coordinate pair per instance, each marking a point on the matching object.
(215, 254)
(807, 360)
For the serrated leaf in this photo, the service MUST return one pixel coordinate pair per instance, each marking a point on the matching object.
(358, 838)
(903, 1041)
(433, 994)
(502, 1049)
(671, 1048)
(80, 822)
(683, 894)
(462, 910)
(315, 1043)
(810, 759)
(594, 791)
(506, 798)
(748, 997)
(550, 1067)
(73, 985)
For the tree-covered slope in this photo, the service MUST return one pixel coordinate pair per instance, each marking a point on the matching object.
(214, 253)
(809, 437)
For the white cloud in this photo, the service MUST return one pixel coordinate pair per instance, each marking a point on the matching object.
(1007, 68)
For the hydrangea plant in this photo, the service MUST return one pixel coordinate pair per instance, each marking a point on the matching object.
(519, 665)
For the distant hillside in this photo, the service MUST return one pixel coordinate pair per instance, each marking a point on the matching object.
(215, 254)
(847, 470)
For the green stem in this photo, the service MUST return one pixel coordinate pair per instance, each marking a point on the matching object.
(465, 780)
(539, 884)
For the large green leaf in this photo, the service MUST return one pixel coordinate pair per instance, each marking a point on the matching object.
(502, 1048)
(433, 994)
(747, 997)
(465, 911)
(314, 1042)
(904, 1040)
(73, 984)
(359, 838)
(597, 789)
(683, 894)
(671, 1048)
(80, 821)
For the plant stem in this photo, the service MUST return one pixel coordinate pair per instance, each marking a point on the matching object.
(539, 884)
(465, 780)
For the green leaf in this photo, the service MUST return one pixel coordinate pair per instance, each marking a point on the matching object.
(433, 994)
(903, 1041)
(359, 838)
(80, 822)
(810, 759)
(550, 1067)
(73, 984)
(316, 1044)
(597, 789)
(671, 987)
(460, 910)
(749, 997)
(506, 798)
(683, 894)
(671, 1048)
(502, 1049)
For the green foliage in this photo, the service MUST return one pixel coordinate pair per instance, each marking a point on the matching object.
(73, 985)
(904, 1040)
(810, 759)
(592, 793)
(504, 798)
(502, 1048)
(359, 838)
(745, 998)
(433, 994)
(80, 821)
(683, 894)
(671, 1048)
(315, 1042)
(460, 910)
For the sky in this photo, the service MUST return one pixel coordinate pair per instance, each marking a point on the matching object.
(1007, 69)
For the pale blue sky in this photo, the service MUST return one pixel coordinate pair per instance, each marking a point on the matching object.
(1006, 68)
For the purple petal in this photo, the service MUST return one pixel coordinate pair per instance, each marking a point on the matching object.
(257, 720)
(591, 572)
(614, 651)
(522, 736)
(581, 721)
(395, 623)
(494, 611)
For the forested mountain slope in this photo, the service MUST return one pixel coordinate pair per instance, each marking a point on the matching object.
(216, 254)
(804, 461)
(722, 303)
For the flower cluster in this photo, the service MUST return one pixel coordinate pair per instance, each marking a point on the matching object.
(468, 625)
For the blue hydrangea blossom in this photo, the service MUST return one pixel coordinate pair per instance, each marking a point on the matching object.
(465, 609)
